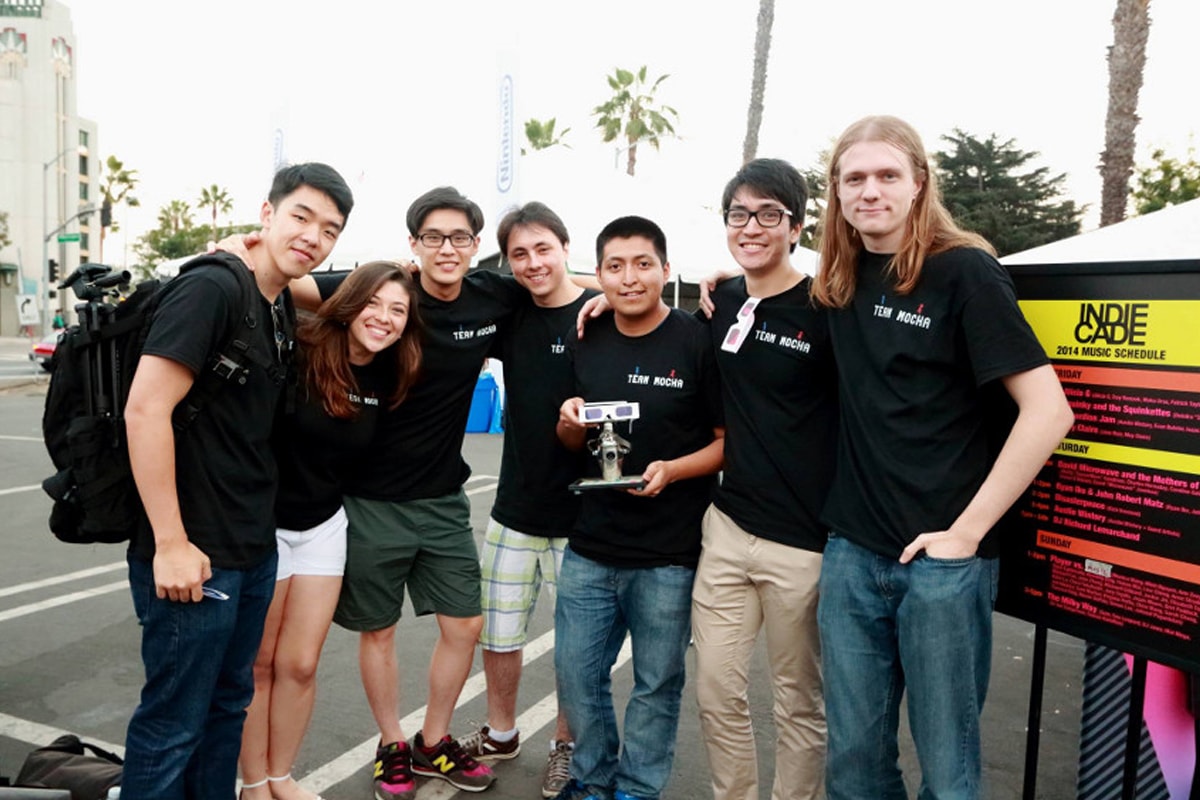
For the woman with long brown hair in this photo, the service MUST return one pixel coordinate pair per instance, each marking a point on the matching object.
(358, 356)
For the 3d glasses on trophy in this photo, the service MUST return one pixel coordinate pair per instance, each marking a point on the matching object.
(609, 447)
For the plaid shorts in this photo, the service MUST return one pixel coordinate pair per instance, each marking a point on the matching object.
(514, 566)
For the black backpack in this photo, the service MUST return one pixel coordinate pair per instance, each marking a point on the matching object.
(95, 497)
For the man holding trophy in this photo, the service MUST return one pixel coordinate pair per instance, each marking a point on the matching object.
(649, 401)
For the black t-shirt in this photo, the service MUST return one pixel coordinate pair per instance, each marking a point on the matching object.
(535, 469)
(779, 392)
(225, 473)
(671, 373)
(913, 447)
(418, 452)
(315, 449)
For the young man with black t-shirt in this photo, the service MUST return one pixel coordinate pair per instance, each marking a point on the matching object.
(202, 567)
(632, 554)
(534, 510)
(926, 328)
(410, 525)
(762, 537)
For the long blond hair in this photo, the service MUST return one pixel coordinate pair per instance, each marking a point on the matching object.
(929, 229)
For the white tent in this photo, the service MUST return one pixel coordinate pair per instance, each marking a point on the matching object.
(1170, 234)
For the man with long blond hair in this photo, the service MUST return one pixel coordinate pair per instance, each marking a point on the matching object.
(924, 324)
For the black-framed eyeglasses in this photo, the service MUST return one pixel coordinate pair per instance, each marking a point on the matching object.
(458, 239)
(767, 217)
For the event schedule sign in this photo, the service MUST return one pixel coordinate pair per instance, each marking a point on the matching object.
(1105, 544)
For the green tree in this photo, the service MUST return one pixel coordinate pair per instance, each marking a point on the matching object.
(541, 135)
(1126, 64)
(633, 113)
(175, 217)
(175, 237)
(989, 189)
(814, 211)
(218, 200)
(1166, 182)
(4, 240)
(758, 81)
(116, 187)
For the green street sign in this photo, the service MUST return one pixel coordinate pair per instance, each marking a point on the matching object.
(68, 237)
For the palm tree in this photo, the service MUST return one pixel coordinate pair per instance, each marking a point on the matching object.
(1126, 62)
(175, 216)
(631, 112)
(541, 135)
(758, 83)
(217, 199)
(116, 187)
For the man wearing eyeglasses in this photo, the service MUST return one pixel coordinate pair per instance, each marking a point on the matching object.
(410, 526)
(762, 538)
(631, 556)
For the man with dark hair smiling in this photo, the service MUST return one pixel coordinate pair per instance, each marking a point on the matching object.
(632, 553)
(534, 510)
(202, 567)
(763, 538)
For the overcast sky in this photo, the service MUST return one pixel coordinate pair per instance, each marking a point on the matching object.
(401, 96)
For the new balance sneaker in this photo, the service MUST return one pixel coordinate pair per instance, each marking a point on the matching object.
(482, 747)
(574, 790)
(558, 769)
(449, 762)
(393, 778)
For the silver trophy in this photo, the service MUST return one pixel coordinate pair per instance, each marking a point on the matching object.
(609, 447)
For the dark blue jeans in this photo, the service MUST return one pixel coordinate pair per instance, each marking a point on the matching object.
(595, 607)
(887, 627)
(184, 737)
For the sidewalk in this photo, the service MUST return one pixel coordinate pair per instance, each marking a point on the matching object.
(16, 370)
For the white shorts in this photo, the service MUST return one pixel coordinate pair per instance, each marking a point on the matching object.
(514, 565)
(320, 550)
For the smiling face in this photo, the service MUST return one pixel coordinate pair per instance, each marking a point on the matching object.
(299, 233)
(379, 325)
(539, 263)
(632, 278)
(757, 249)
(876, 189)
(443, 267)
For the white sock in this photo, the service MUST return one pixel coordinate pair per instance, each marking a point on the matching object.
(554, 745)
(502, 736)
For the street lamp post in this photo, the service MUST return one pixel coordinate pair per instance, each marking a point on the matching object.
(46, 319)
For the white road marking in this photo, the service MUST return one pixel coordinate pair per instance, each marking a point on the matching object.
(57, 579)
(39, 735)
(17, 489)
(537, 717)
(61, 600)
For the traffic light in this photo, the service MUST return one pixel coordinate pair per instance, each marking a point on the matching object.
(53, 271)
(106, 213)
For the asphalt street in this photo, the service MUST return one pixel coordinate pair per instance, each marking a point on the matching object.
(69, 656)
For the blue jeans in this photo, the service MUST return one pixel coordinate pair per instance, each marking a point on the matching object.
(184, 737)
(886, 626)
(596, 606)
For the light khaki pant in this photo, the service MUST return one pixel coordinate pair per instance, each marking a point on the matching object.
(745, 583)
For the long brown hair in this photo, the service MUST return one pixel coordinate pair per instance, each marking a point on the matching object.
(928, 230)
(325, 351)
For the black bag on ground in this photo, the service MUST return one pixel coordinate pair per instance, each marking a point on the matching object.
(65, 764)
(83, 424)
